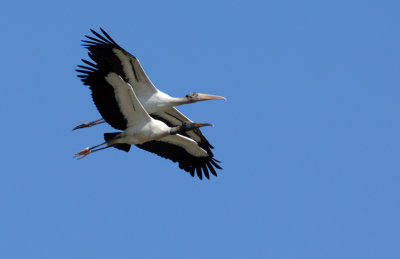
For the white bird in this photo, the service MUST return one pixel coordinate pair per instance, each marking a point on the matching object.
(119, 106)
(158, 104)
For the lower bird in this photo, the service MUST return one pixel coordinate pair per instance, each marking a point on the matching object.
(115, 95)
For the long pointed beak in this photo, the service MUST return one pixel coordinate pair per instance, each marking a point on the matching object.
(205, 97)
(199, 125)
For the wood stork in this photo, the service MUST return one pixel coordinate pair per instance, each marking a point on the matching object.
(117, 103)
(158, 104)
(105, 49)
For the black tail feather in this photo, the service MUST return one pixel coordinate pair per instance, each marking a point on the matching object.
(123, 147)
(110, 136)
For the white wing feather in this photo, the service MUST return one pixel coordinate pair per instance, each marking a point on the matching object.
(128, 103)
(188, 144)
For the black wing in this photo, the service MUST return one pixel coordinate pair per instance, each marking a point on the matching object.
(103, 95)
(187, 162)
(101, 49)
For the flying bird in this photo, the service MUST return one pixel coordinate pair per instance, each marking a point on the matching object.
(118, 104)
(159, 104)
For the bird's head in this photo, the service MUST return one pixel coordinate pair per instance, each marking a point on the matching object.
(187, 126)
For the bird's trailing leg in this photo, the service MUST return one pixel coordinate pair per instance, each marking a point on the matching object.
(86, 151)
(89, 124)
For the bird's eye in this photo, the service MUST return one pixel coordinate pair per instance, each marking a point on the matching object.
(191, 96)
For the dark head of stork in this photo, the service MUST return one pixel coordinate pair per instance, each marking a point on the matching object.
(186, 126)
(197, 97)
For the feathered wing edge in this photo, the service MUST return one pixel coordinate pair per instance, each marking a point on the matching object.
(107, 40)
(187, 162)
(103, 95)
(102, 48)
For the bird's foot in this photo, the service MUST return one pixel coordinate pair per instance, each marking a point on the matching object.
(83, 153)
(84, 125)
(89, 124)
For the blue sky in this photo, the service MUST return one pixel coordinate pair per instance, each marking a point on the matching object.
(309, 136)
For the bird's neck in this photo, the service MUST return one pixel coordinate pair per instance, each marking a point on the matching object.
(176, 101)
(161, 102)
(175, 130)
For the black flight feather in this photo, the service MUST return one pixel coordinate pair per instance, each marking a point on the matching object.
(102, 93)
(186, 161)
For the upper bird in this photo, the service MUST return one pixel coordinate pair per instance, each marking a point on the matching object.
(105, 49)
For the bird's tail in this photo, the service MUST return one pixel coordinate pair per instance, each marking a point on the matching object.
(110, 136)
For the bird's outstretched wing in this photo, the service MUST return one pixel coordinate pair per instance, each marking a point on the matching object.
(114, 98)
(186, 152)
(102, 48)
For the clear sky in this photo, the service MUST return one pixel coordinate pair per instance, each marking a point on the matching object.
(309, 136)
